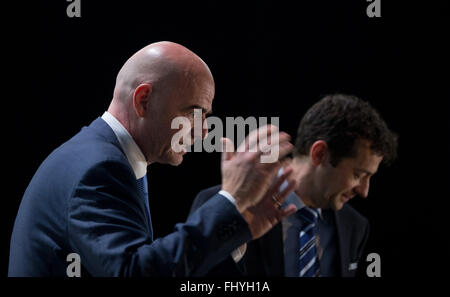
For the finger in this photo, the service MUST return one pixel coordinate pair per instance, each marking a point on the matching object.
(273, 169)
(273, 142)
(276, 185)
(292, 184)
(257, 135)
(270, 154)
(227, 149)
(287, 211)
(285, 149)
(285, 162)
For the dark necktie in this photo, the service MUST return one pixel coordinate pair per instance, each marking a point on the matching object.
(143, 188)
(308, 260)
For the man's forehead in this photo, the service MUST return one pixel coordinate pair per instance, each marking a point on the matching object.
(363, 158)
(202, 98)
(366, 161)
(198, 102)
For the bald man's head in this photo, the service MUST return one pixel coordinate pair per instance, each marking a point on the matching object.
(158, 83)
(165, 63)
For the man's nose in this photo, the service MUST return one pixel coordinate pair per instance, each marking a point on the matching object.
(195, 131)
(204, 127)
(363, 188)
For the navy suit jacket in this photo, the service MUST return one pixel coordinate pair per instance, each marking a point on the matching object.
(265, 256)
(84, 199)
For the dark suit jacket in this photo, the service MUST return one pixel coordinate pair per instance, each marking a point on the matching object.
(84, 198)
(264, 256)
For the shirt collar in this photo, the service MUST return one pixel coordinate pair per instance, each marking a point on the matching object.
(298, 202)
(131, 149)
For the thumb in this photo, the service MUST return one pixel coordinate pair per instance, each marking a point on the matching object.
(227, 149)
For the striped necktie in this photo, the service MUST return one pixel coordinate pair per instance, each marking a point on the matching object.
(143, 189)
(308, 261)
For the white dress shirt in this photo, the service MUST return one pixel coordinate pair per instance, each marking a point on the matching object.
(132, 151)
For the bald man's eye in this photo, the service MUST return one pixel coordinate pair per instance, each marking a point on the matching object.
(198, 114)
(191, 114)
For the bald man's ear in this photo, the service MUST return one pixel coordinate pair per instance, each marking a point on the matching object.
(319, 152)
(141, 98)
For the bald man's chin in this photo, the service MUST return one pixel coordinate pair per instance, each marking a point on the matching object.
(175, 159)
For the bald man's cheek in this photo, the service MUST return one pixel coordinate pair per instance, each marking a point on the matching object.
(176, 159)
(183, 133)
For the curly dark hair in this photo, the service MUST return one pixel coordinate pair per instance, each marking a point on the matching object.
(340, 120)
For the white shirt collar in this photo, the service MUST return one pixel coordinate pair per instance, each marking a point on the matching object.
(132, 151)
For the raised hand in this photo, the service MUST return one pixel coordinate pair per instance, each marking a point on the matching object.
(244, 176)
(268, 212)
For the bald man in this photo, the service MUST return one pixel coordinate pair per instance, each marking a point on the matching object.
(85, 211)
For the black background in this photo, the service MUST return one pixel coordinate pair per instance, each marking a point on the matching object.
(268, 58)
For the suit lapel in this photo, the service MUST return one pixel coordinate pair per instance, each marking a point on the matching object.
(272, 252)
(343, 239)
(104, 130)
(271, 246)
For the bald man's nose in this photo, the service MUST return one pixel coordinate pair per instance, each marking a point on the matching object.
(195, 132)
(204, 128)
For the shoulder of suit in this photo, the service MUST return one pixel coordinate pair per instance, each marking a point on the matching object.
(83, 152)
